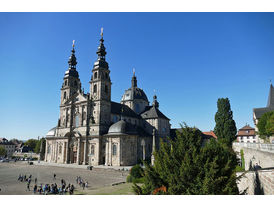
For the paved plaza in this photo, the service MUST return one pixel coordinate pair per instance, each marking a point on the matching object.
(97, 178)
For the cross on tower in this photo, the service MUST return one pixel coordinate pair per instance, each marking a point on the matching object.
(102, 29)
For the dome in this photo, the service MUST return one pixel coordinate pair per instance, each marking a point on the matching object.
(122, 127)
(51, 132)
(118, 127)
(134, 93)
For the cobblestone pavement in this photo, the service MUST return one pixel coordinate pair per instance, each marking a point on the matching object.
(97, 178)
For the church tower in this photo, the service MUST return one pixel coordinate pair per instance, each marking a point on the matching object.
(100, 92)
(71, 84)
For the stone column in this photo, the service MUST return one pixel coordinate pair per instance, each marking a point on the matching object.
(153, 148)
(85, 152)
(63, 152)
(78, 151)
(46, 151)
(107, 152)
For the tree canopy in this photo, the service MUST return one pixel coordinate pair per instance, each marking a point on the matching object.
(3, 151)
(225, 128)
(184, 166)
(38, 148)
(266, 125)
(31, 143)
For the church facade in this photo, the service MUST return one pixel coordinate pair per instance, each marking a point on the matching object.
(94, 130)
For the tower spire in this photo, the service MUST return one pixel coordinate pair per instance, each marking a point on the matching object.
(72, 59)
(155, 102)
(134, 79)
(101, 52)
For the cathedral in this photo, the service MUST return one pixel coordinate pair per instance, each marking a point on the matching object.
(93, 130)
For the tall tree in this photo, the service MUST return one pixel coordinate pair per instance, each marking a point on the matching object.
(266, 125)
(40, 146)
(225, 128)
(184, 166)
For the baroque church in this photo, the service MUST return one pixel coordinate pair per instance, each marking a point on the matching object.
(93, 130)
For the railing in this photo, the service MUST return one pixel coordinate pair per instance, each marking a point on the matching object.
(257, 146)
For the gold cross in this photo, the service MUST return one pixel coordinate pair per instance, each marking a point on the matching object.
(73, 43)
(102, 29)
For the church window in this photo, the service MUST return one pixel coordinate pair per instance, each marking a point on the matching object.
(95, 75)
(92, 149)
(75, 83)
(65, 95)
(66, 83)
(49, 149)
(114, 150)
(77, 121)
(95, 88)
(60, 149)
(137, 108)
(106, 76)
(106, 88)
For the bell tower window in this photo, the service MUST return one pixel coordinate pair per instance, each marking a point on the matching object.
(95, 88)
(66, 83)
(106, 88)
(95, 75)
(65, 95)
(75, 83)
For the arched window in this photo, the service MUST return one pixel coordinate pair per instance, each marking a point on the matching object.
(106, 75)
(60, 149)
(92, 149)
(114, 150)
(137, 108)
(49, 149)
(77, 121)
(95, 88)
(66, 83)
(65, 95)
(95, 75)
(106, 88)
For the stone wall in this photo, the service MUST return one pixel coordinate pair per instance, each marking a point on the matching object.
(257, 182)
(262, 154)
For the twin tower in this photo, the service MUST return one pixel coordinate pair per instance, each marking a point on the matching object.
(98, 117)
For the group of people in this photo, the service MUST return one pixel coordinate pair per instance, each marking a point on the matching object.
(47, 188)
(81, 182)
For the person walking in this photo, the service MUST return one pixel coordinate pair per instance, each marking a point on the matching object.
(28, 187)
(35, 180)
(54, 176)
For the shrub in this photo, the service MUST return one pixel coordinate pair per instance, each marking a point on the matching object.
(136, 172)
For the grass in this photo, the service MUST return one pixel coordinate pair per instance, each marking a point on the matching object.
(122, 189)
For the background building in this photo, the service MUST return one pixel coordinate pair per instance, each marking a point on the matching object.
(247, 134)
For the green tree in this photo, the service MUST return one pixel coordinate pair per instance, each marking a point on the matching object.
(31, 143)
(38, 148)
(3, 151)
(225, 128)
(184, 166)
(266, 125)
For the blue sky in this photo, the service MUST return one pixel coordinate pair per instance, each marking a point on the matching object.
(190, 59)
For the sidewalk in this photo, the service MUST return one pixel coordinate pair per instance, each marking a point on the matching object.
(43, 163)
